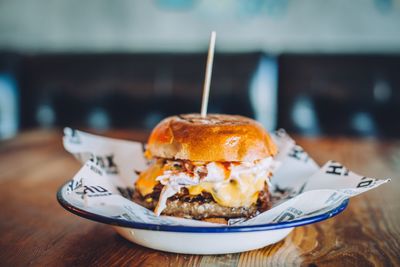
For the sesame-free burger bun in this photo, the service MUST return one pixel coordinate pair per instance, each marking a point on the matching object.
(217, 137)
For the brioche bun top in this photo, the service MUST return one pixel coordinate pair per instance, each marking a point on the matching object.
(217, 137)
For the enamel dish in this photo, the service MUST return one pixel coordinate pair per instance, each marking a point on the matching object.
(191, 239)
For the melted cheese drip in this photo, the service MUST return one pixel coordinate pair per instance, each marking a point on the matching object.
(147, 179)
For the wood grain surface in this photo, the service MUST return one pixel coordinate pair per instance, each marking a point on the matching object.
(36, 230)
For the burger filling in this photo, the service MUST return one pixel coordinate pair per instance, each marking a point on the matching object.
(232, 188)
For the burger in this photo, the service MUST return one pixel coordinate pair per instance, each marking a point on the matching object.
(211, 168)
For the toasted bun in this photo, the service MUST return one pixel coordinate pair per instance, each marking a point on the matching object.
(217, 137)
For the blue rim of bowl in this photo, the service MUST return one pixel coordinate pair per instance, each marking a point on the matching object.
(195, 229)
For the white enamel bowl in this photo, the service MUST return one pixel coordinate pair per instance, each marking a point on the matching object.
(195, 240)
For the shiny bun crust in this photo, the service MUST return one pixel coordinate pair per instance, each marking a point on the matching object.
(218, 137)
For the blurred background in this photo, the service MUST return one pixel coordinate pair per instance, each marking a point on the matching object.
(312, 67)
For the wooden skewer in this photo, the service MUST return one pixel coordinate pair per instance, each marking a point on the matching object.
(207, 81)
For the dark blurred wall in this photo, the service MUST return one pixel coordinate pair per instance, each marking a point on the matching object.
(138, 90)
(340, 94)
(308, 94)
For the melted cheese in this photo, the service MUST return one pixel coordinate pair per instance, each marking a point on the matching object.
(241, 192)
(147, 179)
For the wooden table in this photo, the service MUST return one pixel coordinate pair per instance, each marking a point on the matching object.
(35, 230)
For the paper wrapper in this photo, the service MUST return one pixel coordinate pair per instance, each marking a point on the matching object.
(300, 188)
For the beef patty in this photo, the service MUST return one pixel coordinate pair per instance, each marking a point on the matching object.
(201, 206)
